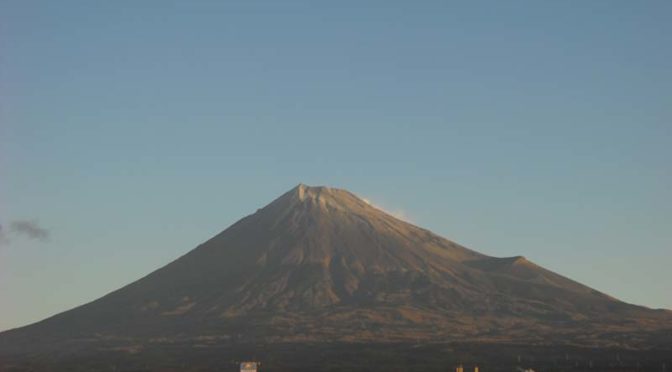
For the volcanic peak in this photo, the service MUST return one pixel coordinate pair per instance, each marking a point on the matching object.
(321, 199)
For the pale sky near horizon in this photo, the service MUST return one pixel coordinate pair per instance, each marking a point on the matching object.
(132, 131)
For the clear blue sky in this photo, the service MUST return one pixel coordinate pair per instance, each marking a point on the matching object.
(134, 130)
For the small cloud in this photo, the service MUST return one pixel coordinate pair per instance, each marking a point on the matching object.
(397, 213)
(29, 229)
(401, 214)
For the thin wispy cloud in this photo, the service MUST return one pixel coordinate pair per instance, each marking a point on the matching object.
(395, 212)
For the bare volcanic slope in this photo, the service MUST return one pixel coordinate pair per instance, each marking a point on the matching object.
(320, 264)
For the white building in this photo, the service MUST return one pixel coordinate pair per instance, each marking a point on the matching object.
(248, 366)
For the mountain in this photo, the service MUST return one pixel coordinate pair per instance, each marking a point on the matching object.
(320, 265)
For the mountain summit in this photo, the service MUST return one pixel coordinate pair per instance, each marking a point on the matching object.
(320, 264)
